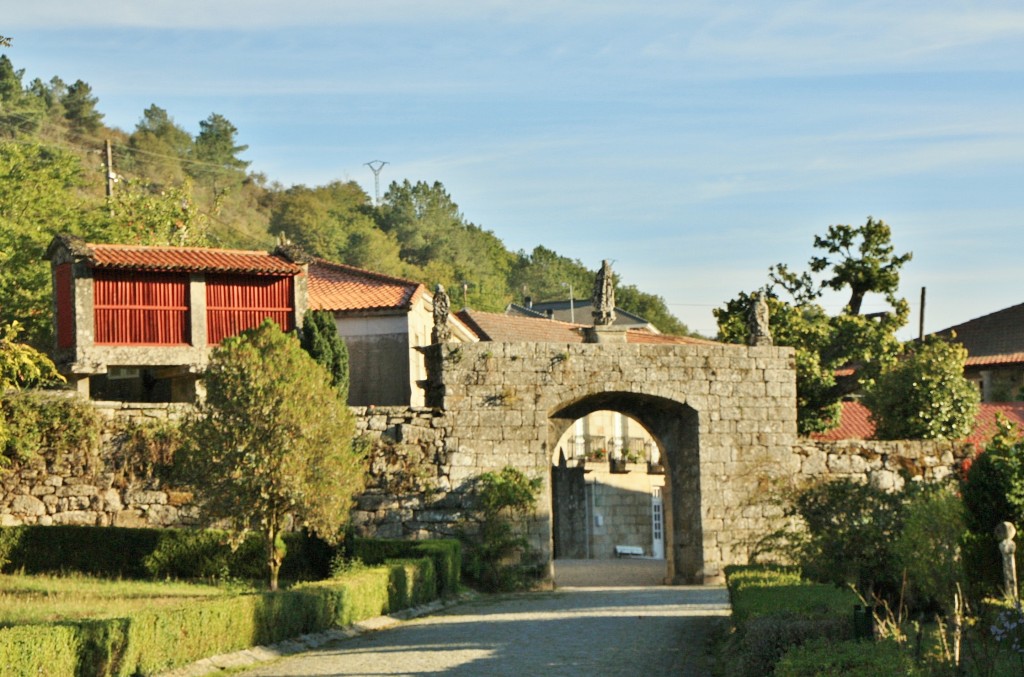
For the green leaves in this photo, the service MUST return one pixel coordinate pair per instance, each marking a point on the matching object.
(923, 394)
(835, 355)
(272, 443)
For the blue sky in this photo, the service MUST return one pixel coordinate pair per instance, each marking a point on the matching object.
(693, 143)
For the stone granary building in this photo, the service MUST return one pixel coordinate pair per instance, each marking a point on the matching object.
(136, 323)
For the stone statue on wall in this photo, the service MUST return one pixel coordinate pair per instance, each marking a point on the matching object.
(757, 321)
(604, 295)
(441, 333)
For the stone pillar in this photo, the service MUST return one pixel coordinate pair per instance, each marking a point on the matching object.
(1005, 533)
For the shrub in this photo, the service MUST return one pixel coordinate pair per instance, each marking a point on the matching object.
(828, 657)
(99, 551)
(497, 551)
(851, 528)
(445, 553)
(766, 639)
(34, 421)
(929, 546)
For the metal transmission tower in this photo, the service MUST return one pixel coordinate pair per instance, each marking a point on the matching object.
(375, 167)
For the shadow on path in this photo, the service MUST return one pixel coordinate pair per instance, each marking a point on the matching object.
(638, 631)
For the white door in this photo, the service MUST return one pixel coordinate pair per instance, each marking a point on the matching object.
(657, 525)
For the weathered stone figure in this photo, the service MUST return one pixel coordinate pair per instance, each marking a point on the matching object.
(604, 295)
(757, 321)
(1005, 532)
(442, 304)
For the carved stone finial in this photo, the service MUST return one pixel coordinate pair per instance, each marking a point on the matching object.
(758, 321)
(604, 295)
(441, 333)
(1005, 531)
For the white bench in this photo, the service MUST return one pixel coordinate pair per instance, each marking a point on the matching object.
(629, 551)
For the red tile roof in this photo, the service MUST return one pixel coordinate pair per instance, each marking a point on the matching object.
(856, 423)
(644, 336)
(188, 259)
(511, 328)
(341, 288)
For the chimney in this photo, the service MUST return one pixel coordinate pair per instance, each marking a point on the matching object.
(551, 313)
(528, 301)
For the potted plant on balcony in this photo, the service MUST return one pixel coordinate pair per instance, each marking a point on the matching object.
(617, 465)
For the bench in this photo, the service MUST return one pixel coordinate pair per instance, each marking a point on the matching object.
(629, 551)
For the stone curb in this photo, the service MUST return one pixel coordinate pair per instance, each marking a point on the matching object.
(262, 654)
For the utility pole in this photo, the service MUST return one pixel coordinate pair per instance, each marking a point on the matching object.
(110, 167)
(920, 326)
(375, 167)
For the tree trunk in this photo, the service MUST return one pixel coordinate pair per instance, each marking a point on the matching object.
(274, 557)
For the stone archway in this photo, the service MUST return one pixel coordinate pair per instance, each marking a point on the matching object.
(675, 428)
(724, 415)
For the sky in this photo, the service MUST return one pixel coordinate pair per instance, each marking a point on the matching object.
(694, 144)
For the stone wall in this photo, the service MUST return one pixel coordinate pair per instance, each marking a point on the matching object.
(97, 491)
(882, 463)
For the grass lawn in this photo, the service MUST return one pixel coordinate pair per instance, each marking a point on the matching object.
(39, 598)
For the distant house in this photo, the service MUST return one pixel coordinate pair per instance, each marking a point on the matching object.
(576, 311)
(995, 353)
(383, 319)
(137, 323)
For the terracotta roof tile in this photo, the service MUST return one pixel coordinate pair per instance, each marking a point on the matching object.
(341, 288)
(856, 424)
(984, 360)
(644, 336)
(188, 259)
(510, 328)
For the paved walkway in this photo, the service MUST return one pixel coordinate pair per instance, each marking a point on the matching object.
(594, 632)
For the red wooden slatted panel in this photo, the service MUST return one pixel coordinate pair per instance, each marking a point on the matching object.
(235, 303)
(65, 306)
(141, 308)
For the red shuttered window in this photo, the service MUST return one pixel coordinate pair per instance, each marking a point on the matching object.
(235, 303)
(63, 284)
(141, 308)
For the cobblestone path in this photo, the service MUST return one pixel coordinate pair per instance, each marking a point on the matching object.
(596, 632)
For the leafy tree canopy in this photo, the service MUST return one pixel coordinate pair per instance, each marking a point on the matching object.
(923, 394)
(834, 354)
(271, 446)
(320, 338)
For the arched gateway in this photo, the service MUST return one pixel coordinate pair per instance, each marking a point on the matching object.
(723, 416)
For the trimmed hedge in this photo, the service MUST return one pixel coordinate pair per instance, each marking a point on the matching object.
(825, 658)
(446, 554)
(114, 552)
(773, 611)
(157, 640)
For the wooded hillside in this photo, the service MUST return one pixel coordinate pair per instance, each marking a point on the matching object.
(163, 185)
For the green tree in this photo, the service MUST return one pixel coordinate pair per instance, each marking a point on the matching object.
(335, 222)
(544, 275)
(80, 109)
(158, 148)
(923, 394)
(321, 340)
(140, 214)
(38, 199)
(216, 154)
(20, 113)
(433, 235)
(271, 446)
(21, 365)
(836, 354)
